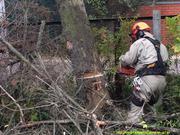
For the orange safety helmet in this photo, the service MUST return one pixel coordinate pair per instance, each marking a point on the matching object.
(137, 27)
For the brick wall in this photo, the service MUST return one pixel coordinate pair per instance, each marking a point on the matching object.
(165, 9)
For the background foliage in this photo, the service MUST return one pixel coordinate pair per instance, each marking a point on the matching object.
(173, 27)
(102, 6)
(111, 45)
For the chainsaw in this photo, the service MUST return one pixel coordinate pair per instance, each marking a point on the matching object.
(128, 71)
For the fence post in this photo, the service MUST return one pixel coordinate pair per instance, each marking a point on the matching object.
(157, 24)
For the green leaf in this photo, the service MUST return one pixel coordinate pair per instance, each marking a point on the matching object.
(143, 123)
(34, 116)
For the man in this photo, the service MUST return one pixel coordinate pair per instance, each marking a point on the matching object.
(148, 56)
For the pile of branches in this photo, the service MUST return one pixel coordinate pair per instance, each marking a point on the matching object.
(64, 106)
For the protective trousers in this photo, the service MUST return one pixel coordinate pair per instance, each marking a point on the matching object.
(147, 90)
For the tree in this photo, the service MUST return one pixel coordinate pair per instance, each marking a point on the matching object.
(82, 51)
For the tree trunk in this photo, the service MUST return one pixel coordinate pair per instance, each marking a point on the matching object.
(85, 61)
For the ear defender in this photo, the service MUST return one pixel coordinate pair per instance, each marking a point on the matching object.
(140, 34)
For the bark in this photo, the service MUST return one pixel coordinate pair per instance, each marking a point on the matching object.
(80, 42)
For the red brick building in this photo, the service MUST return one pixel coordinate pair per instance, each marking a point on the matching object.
(167, 8)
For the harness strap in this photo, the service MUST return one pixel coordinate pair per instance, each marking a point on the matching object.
(156, 68)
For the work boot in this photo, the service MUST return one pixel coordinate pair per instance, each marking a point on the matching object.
(135, 114)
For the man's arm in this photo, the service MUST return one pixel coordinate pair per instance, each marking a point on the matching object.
(131, 56)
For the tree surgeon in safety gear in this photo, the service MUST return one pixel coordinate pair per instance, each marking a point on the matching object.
(148, 56)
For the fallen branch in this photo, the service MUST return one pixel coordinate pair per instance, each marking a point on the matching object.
(150, 118)
(149, 127)
(168, 117)
(22, 120)
(18, 54)
(74, 122)
(49, 122)
(98, 103)
(63, 94)
(98, 129)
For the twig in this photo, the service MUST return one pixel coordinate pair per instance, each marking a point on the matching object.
(125, 123)
(30, 108)
(96, 127)
(18, 54)
(33, 124)
(99, 103)
(40, 34)
(22, 120)
(162, 117)
(42, 27)
(54, 128)
(87, 127)
(7, 132)
(25, 25)
(56, 87)
(74, 122)
(167, 117)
